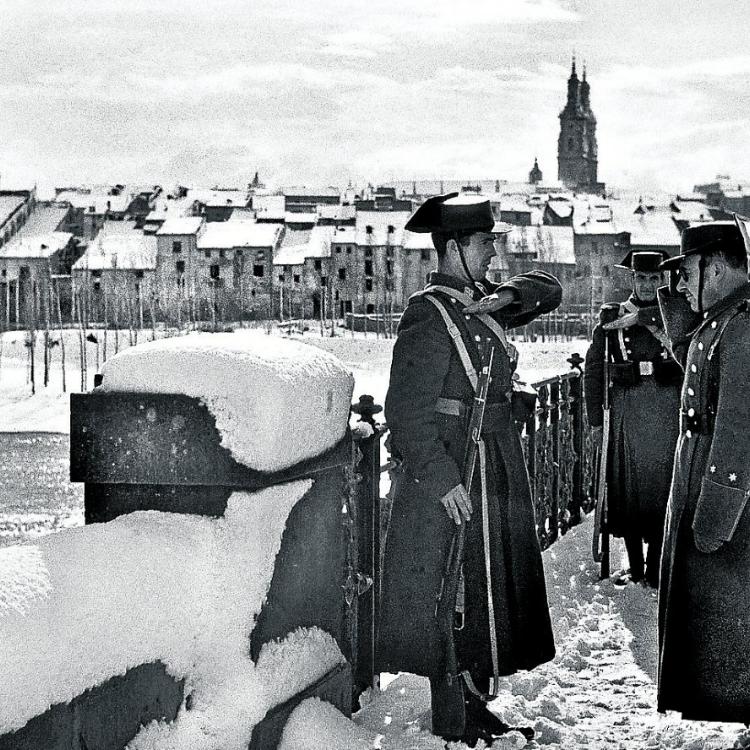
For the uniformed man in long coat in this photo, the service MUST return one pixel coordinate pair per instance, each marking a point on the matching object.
(432, 385)
(704, 597)
(644, 382)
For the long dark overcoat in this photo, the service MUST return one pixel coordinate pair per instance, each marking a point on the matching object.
(644, 417)
(426, 367)
(704, 593)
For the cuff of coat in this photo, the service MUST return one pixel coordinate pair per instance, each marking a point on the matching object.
(438, 479)
(717, 514)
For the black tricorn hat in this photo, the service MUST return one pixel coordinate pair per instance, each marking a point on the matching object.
(646, 261)
(455, 213)
(708, 238)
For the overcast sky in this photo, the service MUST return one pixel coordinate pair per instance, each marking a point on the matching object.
(323, 91)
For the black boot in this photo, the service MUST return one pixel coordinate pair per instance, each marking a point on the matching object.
(479, 716)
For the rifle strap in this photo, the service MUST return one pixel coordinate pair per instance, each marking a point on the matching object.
(458, 341)
(488, 568)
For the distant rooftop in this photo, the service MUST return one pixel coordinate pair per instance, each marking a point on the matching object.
(36, 246)
(229, 234)
(180, 225)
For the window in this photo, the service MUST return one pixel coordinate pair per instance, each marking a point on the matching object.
(96, 274)
(349, 252)
(4, 273)
(368, 268)
(97, 286)
(318, 264)
(238, 252)
(137, 288)
(296, 278)
(368, 285)
(208, 253)
(338, 250)
(177, 246)
(391, 229)
(368, 229)
(336, 296)
(368, 252)
(389, 267)
(425, 254)
(258, 270)
(221, 253)
(370, 308)
(342, 274)
(281, 277)
(180, 266)
(323, 280)
(215, 271)
(139, 274)
(389, 252)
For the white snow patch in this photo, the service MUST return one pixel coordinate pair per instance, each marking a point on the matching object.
(315, 724)
(146, 586)
(276, 401)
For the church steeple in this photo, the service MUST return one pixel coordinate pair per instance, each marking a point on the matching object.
(535, 175)
(577, 146)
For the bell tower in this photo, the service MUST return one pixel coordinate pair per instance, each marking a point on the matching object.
(577, 152)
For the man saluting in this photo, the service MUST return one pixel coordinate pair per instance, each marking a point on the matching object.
(505, 623)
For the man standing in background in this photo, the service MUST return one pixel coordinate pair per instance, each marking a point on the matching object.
(644, 383)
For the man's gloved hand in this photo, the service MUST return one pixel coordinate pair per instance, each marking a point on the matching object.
(457, 504)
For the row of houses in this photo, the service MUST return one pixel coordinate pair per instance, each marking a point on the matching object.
(125, 253)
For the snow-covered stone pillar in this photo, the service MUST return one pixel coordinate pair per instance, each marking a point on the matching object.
(217, 481)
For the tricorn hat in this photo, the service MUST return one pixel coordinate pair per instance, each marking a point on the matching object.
(455, 213)
(646, 261)
(708, 237)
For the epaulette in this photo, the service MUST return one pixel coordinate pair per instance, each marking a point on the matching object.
(742, 306)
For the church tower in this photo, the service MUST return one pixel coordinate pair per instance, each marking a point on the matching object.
(577, 159)
(535, 175)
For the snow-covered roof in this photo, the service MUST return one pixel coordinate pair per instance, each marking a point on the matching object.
(560, 208)
(336, 213)
(346, 235)
(310, 192)
(176, 225)
(9, 204)
(270, 207)
(418, 241)
(691, 210)
(42, 220)
(317, 244)
(101, 202)
(515, 203)
(218, 198)
(124, 251)
(229, 234)
(291, 217)
(35, 246)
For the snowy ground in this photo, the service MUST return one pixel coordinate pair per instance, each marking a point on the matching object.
(598, 693)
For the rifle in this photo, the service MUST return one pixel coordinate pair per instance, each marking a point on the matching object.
(600, 540)
(445, 606)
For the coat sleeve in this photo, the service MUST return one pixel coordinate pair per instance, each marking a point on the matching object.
(725, 485)
(593, 378)
(536, 293)
(679, 322)
(421, 358)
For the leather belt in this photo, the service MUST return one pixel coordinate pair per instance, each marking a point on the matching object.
(496, 414)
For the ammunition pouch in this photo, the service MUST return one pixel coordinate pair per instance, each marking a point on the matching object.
(522, 404)
(667, 372)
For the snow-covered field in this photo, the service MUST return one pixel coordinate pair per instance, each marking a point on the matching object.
(599, 692)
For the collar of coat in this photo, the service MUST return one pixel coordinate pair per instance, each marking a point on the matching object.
(738, 295)
(460, 285)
